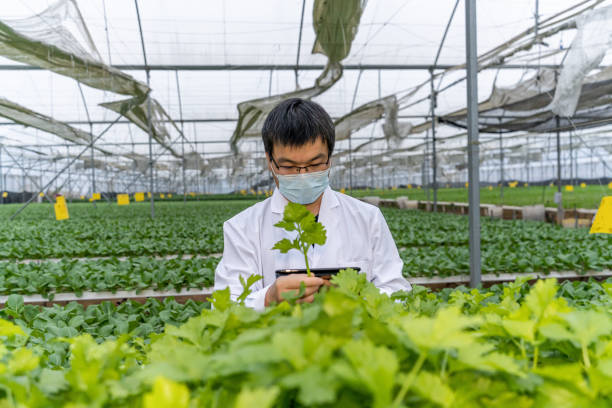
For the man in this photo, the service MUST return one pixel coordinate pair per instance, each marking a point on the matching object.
(298, 137)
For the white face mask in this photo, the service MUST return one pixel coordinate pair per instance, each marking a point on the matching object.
(303, 188)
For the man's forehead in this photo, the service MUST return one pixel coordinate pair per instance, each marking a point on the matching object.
(308, 151)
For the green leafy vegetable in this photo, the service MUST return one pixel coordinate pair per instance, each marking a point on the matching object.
(508, 345)
(309, 232)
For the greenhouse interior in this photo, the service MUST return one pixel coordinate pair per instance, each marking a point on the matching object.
(305, 203)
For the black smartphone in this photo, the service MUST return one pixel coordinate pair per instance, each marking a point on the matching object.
(325, 273)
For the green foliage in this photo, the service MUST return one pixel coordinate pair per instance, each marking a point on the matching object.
(66, 275)
(109, 230)
(246, 286)
(429, 244)
(510, 345)
(309, 232)
(44, 325)
(166, 394)
(588, 197)
(437, 245)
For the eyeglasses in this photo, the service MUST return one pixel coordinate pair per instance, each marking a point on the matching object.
(298, 169)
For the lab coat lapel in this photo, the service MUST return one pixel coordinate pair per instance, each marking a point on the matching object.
(292, 259)
(277, 208)
(328, 216)
(318, 256)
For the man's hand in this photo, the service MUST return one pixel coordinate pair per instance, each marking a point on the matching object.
(291, 283)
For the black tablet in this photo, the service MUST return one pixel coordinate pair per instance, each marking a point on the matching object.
(325, 273)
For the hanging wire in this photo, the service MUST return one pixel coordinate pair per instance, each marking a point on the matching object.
(297, 60)
(110, 61)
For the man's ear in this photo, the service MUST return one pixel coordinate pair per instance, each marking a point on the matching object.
(269, 161)
(270, 164)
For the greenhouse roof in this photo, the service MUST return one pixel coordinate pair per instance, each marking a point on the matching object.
(206, 58)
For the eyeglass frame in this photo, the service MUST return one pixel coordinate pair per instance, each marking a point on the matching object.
(299, 168)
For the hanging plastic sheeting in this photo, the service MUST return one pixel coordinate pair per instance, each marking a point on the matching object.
(193, 161)
(87, 163)
(220, 162)
(139, 162)
(526, 106)
(58, 40)
(27, 117)
(592, 41)
(252, 114)
(119, 166)
(504, 53)
(335, 24)
(135, 110)
(371, 112)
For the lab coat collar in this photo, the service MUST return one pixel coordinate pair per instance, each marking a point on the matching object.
(329, 201)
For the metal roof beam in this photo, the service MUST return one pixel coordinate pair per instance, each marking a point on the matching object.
(290, 67)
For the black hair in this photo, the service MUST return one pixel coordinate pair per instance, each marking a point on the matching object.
(296, 122)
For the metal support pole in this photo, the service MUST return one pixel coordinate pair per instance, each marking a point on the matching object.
(150, 128)
(433, 114)
(571, 159)
(560, 194)
(433, 142)
(473, 150)
(349, 137)
(528, 179)
(61, 171)
(93, 168)
(426, 169)
(501, 165)
(69, 175)
(180, 101)
(1, 178)
(299, 47)
(23, 184)
(57, 189)
(35, 184)
(372, 137)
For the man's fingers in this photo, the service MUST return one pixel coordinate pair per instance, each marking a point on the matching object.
(306, 299)
(307, 292)
(294, 281)
(310, 290)
(308, 281)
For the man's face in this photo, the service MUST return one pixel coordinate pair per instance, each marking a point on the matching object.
(311, 154)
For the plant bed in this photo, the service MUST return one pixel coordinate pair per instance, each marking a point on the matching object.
(117, 297)
(491, 279)
(545, 345)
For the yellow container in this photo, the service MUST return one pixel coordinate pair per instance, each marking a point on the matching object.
(123, 199)
(602, 223)
(61, 210)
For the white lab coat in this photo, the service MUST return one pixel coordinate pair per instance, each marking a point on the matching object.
(357, 235)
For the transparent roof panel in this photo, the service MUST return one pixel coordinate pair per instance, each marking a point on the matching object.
(214, 41)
